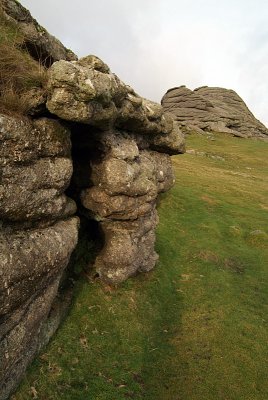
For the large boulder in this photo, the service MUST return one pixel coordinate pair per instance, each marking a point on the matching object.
(84, 92)
(38, 229)
(212, 109)
(119, 186)
(32, 262)
(36, 168)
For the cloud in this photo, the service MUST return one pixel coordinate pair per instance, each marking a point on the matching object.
(155, 45)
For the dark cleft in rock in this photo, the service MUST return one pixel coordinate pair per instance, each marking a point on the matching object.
(212, 109)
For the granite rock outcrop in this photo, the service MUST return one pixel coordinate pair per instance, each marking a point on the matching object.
(133, 138)
(37, 236)
(212, 109)
(91, 136)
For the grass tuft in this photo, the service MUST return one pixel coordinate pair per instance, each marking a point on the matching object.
(19, 72)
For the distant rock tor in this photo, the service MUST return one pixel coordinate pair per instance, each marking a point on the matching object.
(212, 109)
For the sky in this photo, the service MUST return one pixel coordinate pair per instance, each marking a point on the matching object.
(154, 45)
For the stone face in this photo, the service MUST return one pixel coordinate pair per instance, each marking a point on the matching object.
(79, 92)
(207, 109)
(20, 343)
(119, 186)
(31, 265)
(37, 234)
(129, 247)
(123, 188)
(33, 178)
(172, 143)
(32, 257)
(121, 145)
(38, 230)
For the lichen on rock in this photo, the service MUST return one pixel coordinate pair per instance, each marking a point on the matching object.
(123, 198)
(38, 232)
(134, 138)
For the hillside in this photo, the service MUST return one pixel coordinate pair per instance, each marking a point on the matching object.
(196, 327)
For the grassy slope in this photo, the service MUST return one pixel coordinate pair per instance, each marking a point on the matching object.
(196, 327)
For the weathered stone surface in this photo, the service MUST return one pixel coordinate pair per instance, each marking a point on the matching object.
(207, 109)
(172, 143)
(31, 265)
(20, 343)
(119, 174)
(124, 184)
(137, 178)
(120, 207)
(33, 179)
(41, 45)
(129, 247)
(84, 92)
(120, 186)
(30, 259)
(37, 234)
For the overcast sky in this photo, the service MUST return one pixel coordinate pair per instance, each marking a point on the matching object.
(154, 45)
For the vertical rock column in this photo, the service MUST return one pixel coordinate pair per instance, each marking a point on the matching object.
(126, 182)
(37, 235)
(133, 139)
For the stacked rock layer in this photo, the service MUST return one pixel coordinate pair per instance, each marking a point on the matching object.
(212, 109)
(38, 233)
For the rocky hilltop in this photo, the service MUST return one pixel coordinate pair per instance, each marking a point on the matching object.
(76, 144)
(208, 109)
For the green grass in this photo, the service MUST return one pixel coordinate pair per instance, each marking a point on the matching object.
(19, 72)
(196, 327)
